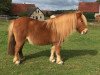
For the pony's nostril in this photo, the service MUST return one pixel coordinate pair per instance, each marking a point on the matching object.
(84, 31)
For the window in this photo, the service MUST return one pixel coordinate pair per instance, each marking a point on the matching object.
(33, 16)
(36, 17)
(37, 11)
(40, 17)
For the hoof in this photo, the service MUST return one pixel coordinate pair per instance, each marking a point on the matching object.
(14, 60)
(52, 60)
(17, 62)
(60, 62)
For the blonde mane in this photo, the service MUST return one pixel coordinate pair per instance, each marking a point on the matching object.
(63, 25)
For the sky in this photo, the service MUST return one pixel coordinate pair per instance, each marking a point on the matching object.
(54, 4)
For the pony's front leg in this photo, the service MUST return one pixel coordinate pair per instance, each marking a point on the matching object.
(58, 61)
(52, 58)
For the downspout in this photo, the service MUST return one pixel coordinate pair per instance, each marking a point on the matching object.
(99, 9)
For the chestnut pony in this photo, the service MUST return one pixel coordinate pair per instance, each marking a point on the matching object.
(52, 31)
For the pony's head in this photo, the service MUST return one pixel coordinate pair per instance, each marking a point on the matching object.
(81, 26)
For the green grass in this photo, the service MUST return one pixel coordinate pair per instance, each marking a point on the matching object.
(81, 55)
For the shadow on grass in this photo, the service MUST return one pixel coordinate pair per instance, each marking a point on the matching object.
(66, 54)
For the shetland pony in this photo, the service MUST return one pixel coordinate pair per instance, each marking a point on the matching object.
(52, 31)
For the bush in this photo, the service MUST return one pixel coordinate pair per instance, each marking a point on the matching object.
(90, 16)
(23, 14)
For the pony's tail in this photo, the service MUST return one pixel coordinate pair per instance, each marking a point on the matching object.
(11, 40)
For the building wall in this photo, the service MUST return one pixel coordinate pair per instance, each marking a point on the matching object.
(37, 14)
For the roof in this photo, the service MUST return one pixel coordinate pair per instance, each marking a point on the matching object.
(89, 6)
(31, 11)
(19, 8)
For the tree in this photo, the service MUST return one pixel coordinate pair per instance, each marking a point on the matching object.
(98, 1)
(5, 6)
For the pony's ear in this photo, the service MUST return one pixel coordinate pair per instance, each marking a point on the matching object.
(79, 13)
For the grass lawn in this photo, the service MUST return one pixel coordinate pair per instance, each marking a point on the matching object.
(81, 55)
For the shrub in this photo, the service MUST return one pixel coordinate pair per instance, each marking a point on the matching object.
(90, 16)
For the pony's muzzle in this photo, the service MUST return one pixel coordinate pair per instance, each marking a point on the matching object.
(84, 31)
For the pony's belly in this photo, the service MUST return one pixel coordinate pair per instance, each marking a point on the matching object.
(38, 41)
(29, 40)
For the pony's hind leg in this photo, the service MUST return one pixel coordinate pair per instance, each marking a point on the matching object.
(58, 60)
(52, 58)
(21, 53)
(18, 47)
